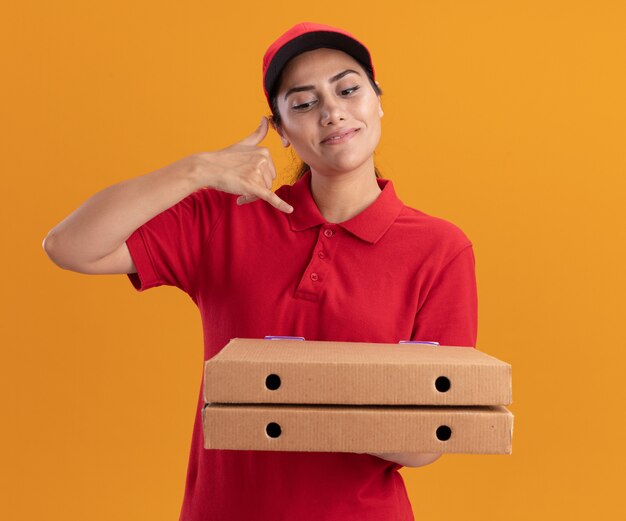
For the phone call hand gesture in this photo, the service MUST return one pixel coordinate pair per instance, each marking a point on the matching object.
(243, 169)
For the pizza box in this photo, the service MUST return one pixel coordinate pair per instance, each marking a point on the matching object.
(377, 429)
(297, 371)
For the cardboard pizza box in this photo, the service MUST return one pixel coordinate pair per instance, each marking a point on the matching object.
(378, 429)
(297, 371)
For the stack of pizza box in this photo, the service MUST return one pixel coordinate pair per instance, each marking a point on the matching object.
(290, 394)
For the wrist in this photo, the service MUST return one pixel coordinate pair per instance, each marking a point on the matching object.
(196, 172)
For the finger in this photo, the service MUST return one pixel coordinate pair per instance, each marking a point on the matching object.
(271, 167)
(273, 199)
(265, 181)
(263, 168)
(270, 162)
(258, 135)
(243, 199)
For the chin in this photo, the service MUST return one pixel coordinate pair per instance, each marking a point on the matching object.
(342, 165)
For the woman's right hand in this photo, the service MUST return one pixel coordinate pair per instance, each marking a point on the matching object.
(242, 169)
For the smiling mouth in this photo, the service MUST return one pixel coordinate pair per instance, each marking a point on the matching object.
(342, 138)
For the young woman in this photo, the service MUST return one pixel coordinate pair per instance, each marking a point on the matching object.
(334, 256)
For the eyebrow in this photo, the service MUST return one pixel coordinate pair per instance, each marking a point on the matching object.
(336, 77)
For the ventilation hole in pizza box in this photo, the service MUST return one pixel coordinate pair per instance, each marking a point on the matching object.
(444, 432)
(272, 382)
(442, 384)
(273, 430)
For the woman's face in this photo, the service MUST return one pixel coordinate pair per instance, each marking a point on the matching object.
(318, 97)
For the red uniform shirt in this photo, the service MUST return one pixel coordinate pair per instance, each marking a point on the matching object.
(390, 273)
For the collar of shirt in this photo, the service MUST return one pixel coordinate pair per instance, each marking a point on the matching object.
(369, 225)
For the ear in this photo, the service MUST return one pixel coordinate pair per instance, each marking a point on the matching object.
(281, 133)
(380, 108)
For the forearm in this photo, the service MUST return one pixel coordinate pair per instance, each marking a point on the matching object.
(103, 222)
(409, 459)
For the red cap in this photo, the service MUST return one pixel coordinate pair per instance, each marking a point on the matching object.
(307, 36)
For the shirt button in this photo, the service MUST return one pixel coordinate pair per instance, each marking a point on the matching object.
(314, 276)
(321, 254)
(328, 233)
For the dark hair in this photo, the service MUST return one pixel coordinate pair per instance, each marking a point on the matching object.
(302, 168)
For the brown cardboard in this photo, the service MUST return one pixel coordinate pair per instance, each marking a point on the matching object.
(477, 430)
(249, 370)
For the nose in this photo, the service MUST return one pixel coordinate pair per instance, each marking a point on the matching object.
(332, 111)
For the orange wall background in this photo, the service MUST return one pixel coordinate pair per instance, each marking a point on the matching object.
(506, 118)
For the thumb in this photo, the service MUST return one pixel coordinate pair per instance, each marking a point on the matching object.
(258, 135)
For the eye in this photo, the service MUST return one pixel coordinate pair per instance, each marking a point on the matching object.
(351, 89)
(303, 106)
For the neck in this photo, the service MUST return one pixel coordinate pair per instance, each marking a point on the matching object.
(341, 196)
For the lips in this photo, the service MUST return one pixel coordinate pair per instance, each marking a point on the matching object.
(340, 135)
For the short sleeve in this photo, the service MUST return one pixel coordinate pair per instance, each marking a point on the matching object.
(168, 249)
(449, 314)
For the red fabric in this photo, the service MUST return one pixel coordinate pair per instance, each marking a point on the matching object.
(390, 273)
